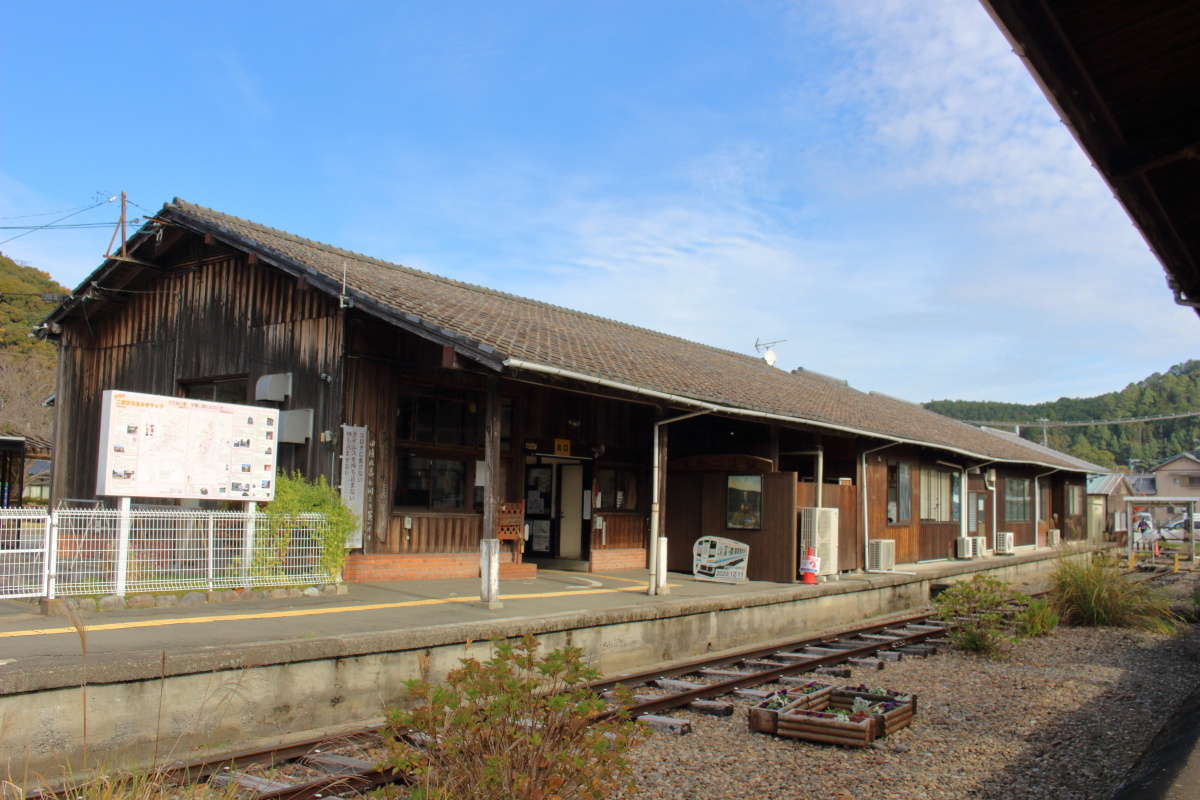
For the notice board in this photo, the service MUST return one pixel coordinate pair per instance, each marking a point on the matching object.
(176, 447)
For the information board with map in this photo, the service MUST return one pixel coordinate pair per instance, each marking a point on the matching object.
(176, 447)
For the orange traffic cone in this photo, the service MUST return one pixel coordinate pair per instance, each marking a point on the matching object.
(808, 572)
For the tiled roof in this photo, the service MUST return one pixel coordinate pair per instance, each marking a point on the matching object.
(1080, 464)
(497, 326)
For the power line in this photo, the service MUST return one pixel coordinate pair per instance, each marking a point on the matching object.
(43, 213)
(67, 226)
(1037, 423)
(56, 221)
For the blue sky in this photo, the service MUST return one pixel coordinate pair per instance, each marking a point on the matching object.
(880, 184)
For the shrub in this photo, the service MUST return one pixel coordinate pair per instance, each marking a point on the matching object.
(979, 610)
(295, 495)
(1038, 618)
(1097, 593)
(514, 726)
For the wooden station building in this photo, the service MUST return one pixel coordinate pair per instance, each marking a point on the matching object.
(455, 382)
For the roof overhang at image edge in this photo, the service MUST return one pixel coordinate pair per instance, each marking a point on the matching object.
(372, 285)
(1123, 78)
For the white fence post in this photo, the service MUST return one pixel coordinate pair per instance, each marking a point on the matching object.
(209, 565)
(50, 556)
(122, 546)
(248, 546)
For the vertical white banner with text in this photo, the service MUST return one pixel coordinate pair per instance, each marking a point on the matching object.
(354, 477)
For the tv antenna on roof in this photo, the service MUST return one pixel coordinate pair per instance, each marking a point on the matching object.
(765, 350)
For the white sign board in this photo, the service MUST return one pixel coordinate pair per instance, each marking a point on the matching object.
(175, 447)
(354, 478)
(721, 560)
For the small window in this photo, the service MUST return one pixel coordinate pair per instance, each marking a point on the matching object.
(220, 390)
(616, 490)
(428, 419)
(436, 484)
(1194, 480)
(1017, 500)
(899, 493)
(1074, 500)
(743, 502)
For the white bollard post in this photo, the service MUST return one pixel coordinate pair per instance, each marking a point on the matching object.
(489, 572)
(122, 546)
(50, 555)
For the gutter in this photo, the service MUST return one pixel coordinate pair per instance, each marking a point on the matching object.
(716, 408)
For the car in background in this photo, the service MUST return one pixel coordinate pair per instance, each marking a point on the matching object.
(1176, 530)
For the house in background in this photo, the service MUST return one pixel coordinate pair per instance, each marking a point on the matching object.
(480, 406)
(1106, 503)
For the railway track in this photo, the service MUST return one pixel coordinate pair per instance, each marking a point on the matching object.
(321, 768)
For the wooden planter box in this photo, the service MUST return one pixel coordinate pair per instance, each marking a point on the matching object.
(812, 695)
(887, 720)
(824, 726)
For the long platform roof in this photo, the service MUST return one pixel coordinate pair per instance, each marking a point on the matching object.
(509, 333)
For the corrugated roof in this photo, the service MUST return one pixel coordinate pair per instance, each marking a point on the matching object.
(493, 326)
(1106, 484)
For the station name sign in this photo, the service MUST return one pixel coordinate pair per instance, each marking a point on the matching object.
(180, 448)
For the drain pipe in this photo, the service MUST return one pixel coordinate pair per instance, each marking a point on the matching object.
(658, 548)
(865, 519)
(1037, 505)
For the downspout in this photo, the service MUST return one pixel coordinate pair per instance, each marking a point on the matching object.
(865, 519)
(819, 455)
(1037, 505)
(658, 560)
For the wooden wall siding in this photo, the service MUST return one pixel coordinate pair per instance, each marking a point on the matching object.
(843, 497)
(222, 318)
(696, 507)
(937, 539)
(621, 530)
(906, 535)
(370, 399)
(432, 533)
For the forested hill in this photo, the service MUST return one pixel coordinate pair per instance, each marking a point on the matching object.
(27, 295)
(1176, 390)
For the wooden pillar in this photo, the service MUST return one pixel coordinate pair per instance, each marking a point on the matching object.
(492, 490)
(774, 448)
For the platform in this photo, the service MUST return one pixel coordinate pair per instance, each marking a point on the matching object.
(302, 667)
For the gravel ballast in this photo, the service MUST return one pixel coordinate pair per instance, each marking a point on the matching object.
(1063, 716)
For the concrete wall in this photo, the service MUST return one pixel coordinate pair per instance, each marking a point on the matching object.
(264, 694)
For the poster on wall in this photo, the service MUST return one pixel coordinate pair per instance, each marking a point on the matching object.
(180, 448)
(743, 502)
(354, 478)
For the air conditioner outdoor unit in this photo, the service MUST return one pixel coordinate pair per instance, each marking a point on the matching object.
(1004, 543)
(1054, 537)
(819, 530)
(969, 546)
(881, 555)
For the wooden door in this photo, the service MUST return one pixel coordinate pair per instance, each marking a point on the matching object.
(570, 511)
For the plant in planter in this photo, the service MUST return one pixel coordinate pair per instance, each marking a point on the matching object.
(811, 695)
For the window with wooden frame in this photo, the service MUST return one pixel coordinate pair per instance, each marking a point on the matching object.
(1017, 500)
(899, 493)
(1074, 500)
(439, 419)
(616, 490)
(431, 483)
(941, 495)
(231, 389)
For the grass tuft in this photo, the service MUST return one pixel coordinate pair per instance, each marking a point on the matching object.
(1097, 593)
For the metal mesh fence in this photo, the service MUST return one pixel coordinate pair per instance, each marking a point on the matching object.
(23, 552)
(80, 551)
